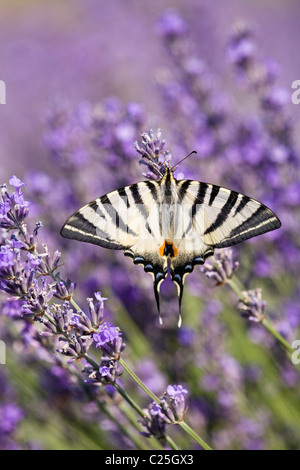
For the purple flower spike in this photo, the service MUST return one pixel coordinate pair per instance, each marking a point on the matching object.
(14, 181)
(104, 371)
(175, 390)
(107, 334)
(171, 25)
(223, 268)
(253, 307)
(100, 298)
(10, 416)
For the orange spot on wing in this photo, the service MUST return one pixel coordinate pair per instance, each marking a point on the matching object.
(161, 249)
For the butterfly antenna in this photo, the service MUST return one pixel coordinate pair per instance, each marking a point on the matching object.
(194, 151)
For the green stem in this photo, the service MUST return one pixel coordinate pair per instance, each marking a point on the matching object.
(129, 400)
(138, 381)
(277, 335)
(195, 436)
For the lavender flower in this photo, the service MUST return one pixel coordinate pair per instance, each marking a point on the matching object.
(170, 411)
(10, 417)
(13, 209)
(96, 312)
(155, 422)
(223, 267)
(76, 348)
(64, 290)
(174, 401)
(108, 338)
(253, 307)
(152, 150)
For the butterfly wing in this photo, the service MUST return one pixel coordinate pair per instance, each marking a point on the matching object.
(127, 219)
(227, 217)
(213, 217)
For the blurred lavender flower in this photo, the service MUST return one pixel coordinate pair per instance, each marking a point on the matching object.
(170, 411)
(10, 417)
(253, 307)
(171, 24)
(222, 267)
(154, 421)
(152, 150)
(241, 48)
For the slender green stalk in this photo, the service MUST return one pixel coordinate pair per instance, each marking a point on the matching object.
(138, 381)
(194, 435)
(277, 335)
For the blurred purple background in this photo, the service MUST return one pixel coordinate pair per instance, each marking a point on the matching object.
(86, 50)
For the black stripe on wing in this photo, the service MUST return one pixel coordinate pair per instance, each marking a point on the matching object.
(214, 192)
(243, 202)
(198, 201)
(183, 190)
(116, 218)
(135, 193)
(79, 228)
(224, 213)
(153, 189)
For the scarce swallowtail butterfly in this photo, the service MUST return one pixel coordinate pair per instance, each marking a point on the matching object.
(170, 223)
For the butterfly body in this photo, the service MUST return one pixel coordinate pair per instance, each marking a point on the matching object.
(170, 224)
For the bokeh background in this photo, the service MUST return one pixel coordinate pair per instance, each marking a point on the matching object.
(84, 79)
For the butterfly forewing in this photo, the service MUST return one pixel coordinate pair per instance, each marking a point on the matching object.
(226, 217)
(114, 220)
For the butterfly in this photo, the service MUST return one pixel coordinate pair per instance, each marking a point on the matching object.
(169, 224)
